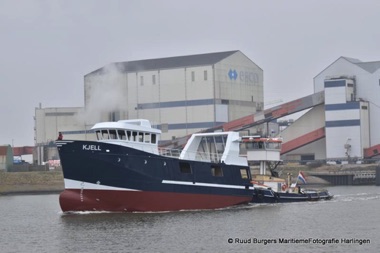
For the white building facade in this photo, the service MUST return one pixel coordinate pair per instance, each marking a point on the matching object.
(180, 95)
(350, 114)
(365, 79)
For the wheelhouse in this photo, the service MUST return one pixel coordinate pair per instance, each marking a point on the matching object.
(257, 143)
(126, 135)
(138, 134)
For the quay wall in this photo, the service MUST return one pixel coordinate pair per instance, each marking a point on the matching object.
(31, 182)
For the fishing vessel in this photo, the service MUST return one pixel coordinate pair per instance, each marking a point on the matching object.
(124, 170)
(271, 188)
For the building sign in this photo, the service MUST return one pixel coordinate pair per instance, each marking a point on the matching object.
(247, 77)
(232, 74)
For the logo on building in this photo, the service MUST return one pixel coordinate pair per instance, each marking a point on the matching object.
(247, 77)
(232, 74)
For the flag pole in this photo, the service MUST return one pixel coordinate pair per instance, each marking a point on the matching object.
(297, 178)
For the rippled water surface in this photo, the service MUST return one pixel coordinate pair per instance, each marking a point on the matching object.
(348, 223)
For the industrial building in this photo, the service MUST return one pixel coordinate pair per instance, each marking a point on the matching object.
(344, 127)
(180, 95)
(224, 91)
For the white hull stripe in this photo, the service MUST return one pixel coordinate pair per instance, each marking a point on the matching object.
(78, 185)
(205, 184)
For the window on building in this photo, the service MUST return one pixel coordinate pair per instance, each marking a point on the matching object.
(141, 80)
(192, 76)
(164, 127)
(114, 116)
(205, 75)
(154, 79)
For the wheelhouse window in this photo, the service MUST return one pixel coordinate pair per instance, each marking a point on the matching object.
(121, 134)
(105, 135)
(98, 135)
(129, 135)
(185, 168)
(153, 139)
(112, 134)
(261, 145)
(216, 171)
(141, 137)
(273, 145)
(147, 138)
(134, 136)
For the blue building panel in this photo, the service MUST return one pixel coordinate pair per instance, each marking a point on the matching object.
(343, 123)
(343, 106)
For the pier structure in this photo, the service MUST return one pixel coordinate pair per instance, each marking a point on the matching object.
(347, 177)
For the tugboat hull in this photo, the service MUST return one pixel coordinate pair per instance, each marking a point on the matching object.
(270, 196)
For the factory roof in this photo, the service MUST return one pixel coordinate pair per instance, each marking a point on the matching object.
(167, 63)
(370, 67)
(367, 66)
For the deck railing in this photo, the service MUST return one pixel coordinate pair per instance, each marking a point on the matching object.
(198, 156)
(169, 152)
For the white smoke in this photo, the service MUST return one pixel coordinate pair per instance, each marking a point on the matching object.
(105, 93)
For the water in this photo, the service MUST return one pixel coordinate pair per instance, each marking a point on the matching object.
(35, 223)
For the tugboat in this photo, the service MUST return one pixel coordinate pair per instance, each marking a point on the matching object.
(126, 171)
(271, 188)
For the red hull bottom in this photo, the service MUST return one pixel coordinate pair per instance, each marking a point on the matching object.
(141, 201)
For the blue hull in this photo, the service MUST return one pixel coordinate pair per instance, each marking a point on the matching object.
(110, 169)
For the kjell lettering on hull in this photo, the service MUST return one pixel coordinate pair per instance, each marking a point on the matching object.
(91, 147)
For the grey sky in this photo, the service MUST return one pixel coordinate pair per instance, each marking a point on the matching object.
(46, 46)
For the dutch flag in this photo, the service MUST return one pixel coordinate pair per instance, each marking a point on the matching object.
(301, 177)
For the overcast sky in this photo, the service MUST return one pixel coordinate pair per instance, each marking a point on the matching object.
(48, 46)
